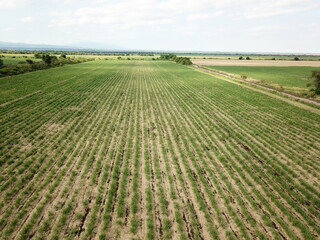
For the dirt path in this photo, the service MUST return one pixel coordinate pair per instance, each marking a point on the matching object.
(259, 88)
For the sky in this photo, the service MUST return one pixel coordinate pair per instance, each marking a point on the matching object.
(182, 25)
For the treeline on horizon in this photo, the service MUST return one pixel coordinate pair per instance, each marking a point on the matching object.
(145, 53)
(29, 65)
(173, 57)
(67, 52)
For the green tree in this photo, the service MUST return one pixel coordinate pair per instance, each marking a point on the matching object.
(37, 55)
(316, 75)
(49, 59)
(1, 63)
(296, 58)
(168, 56)
(240, 58)
(183, 60)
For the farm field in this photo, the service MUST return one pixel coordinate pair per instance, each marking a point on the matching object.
(153, 150)
(267, 57)
(295, 77)
(15, 59)
(256, 63)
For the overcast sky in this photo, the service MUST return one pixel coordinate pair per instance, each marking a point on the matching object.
(195, 25)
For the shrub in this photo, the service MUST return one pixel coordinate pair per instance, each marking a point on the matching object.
(183, 60)
(244, 77)
(180, 60)
(168, 56)
(240, 58)
(49, 59)
(37, 56)
(316, 75)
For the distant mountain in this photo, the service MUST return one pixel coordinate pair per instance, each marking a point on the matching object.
(81, 46)
(30, 46)
(98, 46)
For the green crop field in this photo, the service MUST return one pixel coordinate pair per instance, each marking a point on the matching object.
(153, 150)
(16, 58)
(296, 77)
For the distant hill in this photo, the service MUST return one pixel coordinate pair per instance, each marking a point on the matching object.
(98, 46)
(81, 46)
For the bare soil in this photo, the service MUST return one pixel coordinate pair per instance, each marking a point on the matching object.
(270, 63)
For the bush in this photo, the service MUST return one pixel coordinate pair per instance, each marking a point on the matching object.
(37, 56)
(248, 58)
(244, 77)
(183, 60)
(316, 75)
(180, 60)
(29, 65)
(1, 63)
(168, 56)
(296, 58)
(49, 59)
(240, 58)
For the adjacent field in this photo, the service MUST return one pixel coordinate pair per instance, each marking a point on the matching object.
(153, 150)
(295, 77)
(252, 56)
(262, 63)
(18, 59)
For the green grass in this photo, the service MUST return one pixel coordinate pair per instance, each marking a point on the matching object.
(16, 58)
(295, 77)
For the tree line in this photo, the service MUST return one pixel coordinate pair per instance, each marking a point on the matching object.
(173, 57)
(29, 65)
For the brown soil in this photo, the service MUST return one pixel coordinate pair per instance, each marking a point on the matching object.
(274, 63)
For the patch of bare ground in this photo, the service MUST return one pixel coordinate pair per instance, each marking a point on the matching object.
(271, 63)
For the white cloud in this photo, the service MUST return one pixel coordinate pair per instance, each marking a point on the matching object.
(125, 14)
(130, 13)
(11, 4)
(9, 29)
(203, 16)
(266, 28)
(27, 19)
(278, 7)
